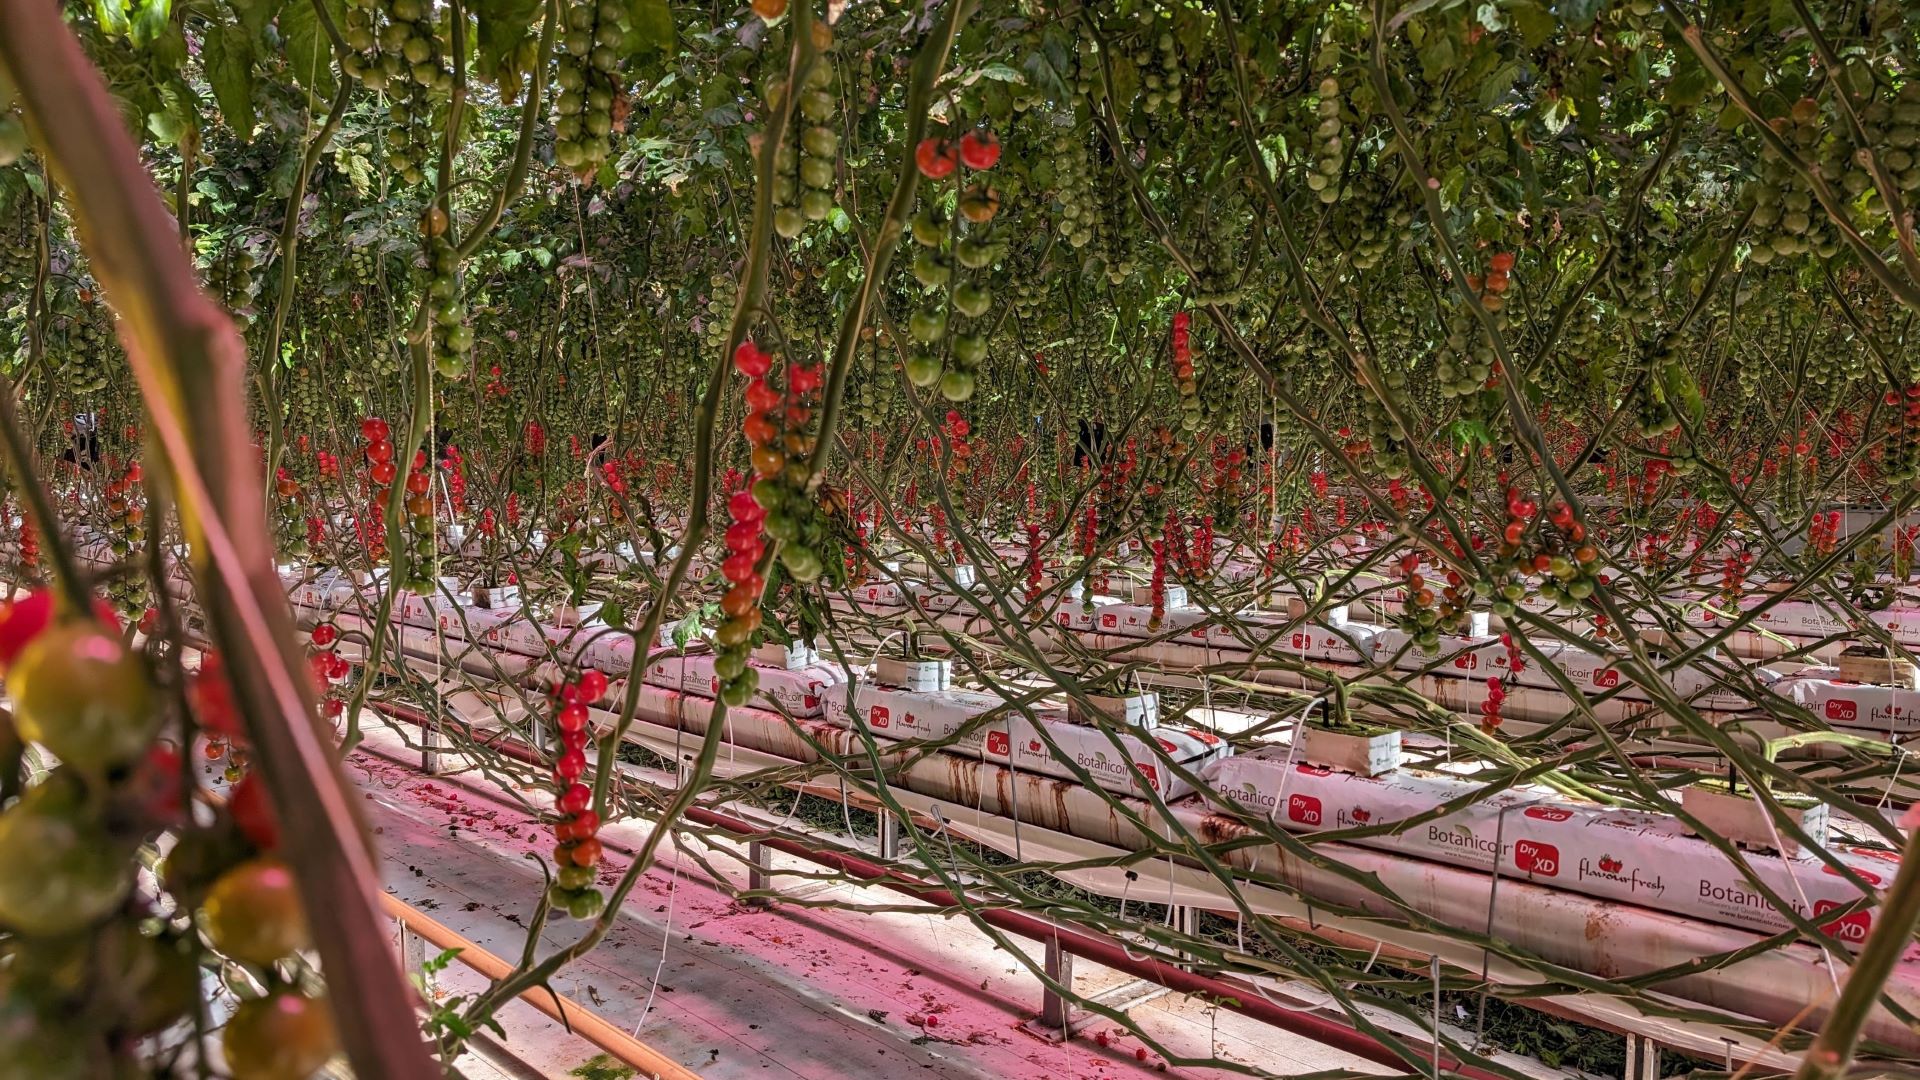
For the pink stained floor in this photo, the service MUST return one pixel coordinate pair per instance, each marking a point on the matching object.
(786, 992)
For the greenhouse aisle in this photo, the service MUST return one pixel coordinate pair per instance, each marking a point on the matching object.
(747, 991)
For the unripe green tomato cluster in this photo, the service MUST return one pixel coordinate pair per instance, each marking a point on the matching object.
(587, 78)
(803, 173)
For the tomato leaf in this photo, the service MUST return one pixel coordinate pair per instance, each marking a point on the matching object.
(112, 16)
(652, 26)
(504, 26)
(256, 14)
(227, 53)
(1535, 24)
(309, 53)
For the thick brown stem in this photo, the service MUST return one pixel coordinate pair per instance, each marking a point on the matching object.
(190, 365)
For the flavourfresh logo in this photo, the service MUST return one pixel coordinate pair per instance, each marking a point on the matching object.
(1608, 868)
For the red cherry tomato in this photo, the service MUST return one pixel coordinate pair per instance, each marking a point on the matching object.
(593, 685)
(21, 621)
(980, 149)
(574, 799)
(253, 812)
(935, 157)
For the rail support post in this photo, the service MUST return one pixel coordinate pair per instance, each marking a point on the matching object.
(413, 958)
(758, 875)
(889, 839)
(1643, 1058)
(430, 748)
(1056, 1011)
(1186, 921)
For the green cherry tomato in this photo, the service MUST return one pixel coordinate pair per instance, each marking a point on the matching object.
(284, 1036)
(78, 691)
(63, 873)
(586, 903)
(253, 912)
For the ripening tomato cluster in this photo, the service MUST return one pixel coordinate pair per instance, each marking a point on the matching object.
(937, 156)
(944, 246)
(778, 428)
(1562, 558)
(746, 549)
(455, 465)
(957, 429)
(1490, 708)
(1185, 377)
(29, 544)
(420, 518)
(1492, 289)
(1823, 532)
(329, 667)
(1568, 563)
(212, 702)
(1425, 614)
(381, 471)
(125, 517)
(291, 520)
(576, 826)
(81, 939)
(1733, 577)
